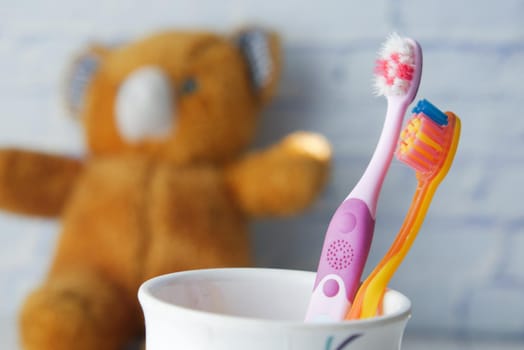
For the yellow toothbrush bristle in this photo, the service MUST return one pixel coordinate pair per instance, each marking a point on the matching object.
(421, 144)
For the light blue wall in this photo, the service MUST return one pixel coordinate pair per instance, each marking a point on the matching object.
(465, 274)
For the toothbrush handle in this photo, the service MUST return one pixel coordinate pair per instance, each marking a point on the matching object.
(343, 257)
(371, 292)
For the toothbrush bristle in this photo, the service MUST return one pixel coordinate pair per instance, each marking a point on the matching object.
(423, 144)
(426, 107)
(395, 67)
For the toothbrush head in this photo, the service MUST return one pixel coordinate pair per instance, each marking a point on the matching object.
(398, 68)
(427, 146)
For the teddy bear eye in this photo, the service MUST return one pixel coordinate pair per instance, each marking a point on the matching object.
(188, 86)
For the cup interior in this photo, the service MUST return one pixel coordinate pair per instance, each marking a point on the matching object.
(254, 293)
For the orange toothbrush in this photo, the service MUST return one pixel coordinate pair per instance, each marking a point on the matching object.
(428, 144)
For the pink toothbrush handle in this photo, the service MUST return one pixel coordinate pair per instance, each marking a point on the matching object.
(342, 261)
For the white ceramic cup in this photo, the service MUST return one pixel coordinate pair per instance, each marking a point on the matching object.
(256, 309)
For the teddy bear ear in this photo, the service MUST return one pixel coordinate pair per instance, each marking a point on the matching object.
(262, 51)
(80, 73)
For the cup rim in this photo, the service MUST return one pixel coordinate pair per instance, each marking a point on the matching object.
(145, 296)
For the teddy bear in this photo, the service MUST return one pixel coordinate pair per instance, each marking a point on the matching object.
(169, 182)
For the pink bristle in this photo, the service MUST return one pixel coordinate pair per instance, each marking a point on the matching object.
(381, 68)
(421, 143)
(395, 67)
(405, 71)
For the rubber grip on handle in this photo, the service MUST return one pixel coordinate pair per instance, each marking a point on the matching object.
(344, 254)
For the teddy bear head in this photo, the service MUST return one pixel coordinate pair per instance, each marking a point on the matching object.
(182, 96)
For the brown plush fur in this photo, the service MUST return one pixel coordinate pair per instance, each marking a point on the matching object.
(131, 211)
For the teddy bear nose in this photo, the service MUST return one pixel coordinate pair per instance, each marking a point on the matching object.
(145, 105)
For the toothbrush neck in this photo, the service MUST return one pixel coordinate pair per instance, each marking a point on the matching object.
(368, 187)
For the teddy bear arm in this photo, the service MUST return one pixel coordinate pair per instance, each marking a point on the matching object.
(33, 183)
(283, 179)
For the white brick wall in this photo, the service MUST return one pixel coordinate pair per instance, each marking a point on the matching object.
(465, 273)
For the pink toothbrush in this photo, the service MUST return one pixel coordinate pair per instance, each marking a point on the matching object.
(349, 234)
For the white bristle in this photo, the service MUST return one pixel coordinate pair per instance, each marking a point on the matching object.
(393, 84)
(395, 43)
